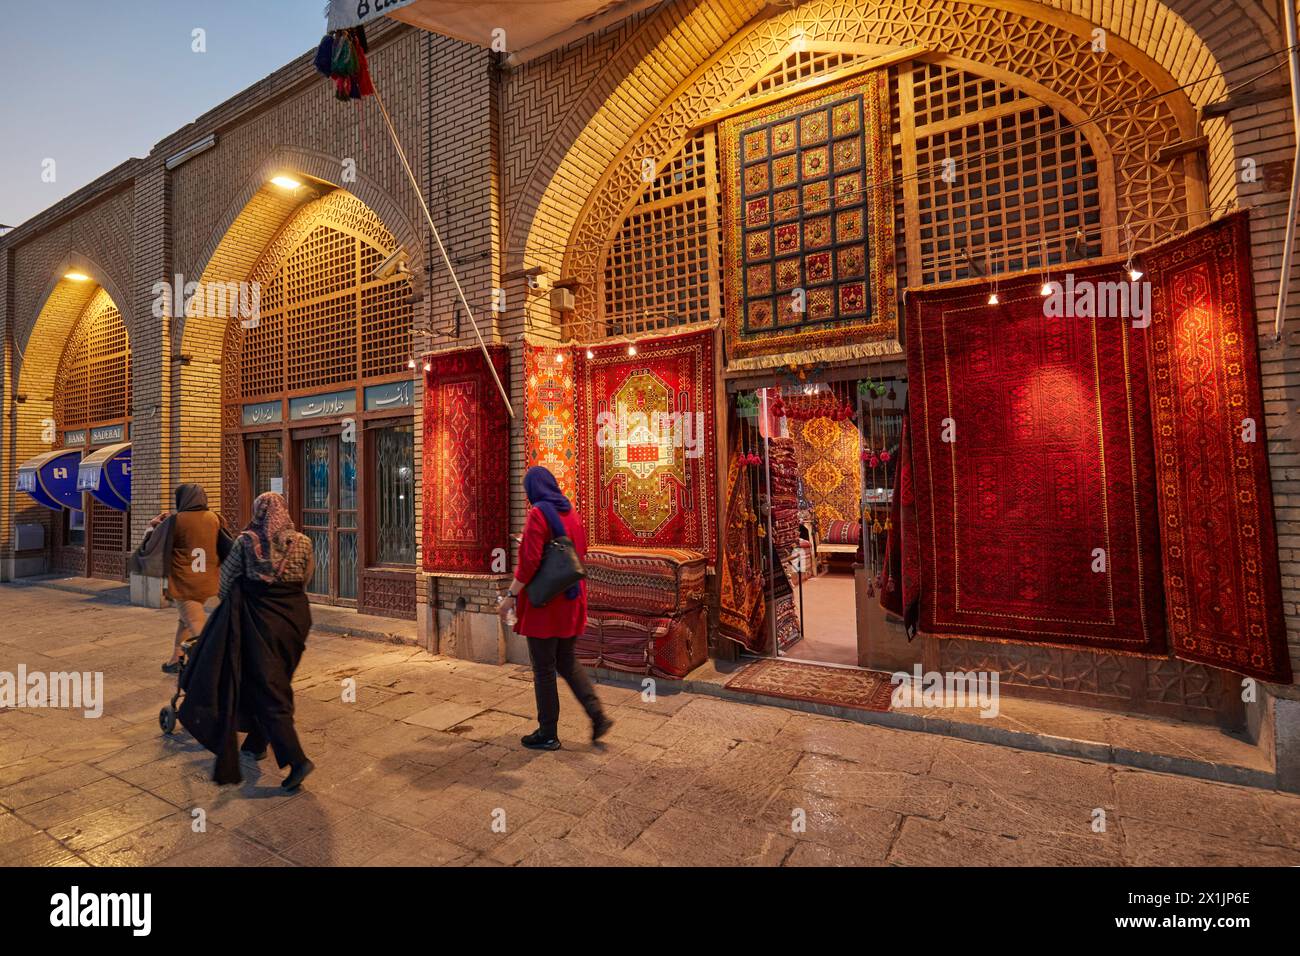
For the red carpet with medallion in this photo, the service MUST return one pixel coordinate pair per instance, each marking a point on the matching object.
(647, 434)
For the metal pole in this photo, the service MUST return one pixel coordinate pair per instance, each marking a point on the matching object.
(1288, 246)
(401, 154)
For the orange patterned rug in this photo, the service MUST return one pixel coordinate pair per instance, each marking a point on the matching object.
(837, 686)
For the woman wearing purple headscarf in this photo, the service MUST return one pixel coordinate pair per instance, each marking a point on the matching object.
(552, 630)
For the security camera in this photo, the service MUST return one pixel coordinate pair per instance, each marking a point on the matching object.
(394, 265)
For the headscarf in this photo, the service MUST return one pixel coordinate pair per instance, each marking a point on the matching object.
(271, 544)
(544, 494)
(191, 497)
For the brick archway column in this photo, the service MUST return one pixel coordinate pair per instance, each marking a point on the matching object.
(150, 353)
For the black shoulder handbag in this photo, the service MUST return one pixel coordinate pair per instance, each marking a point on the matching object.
(560, 568)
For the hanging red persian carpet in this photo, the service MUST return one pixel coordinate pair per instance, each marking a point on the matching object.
(1222, 582)
(1032, 470)
(646, 430)
(551, 433)
(742, 606)
(466, 461)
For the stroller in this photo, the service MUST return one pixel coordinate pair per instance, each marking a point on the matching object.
(167, 716)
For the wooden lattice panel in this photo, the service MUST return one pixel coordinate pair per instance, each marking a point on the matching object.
(385, 328)
(107, 528)
(323, 319)
(1044, 185)
(1022, 182)
(322, 342)
(800, 66)
(93, 383)
(658, 267)
(325, 264)
(943, 93)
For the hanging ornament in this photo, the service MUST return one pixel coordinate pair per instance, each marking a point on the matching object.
(885, 456)
(875, 462)
(341, 56)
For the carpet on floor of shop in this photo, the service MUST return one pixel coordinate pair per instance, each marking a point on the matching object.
(835, 686)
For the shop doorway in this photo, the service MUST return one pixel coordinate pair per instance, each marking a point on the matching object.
(328, 514)
(820, 450)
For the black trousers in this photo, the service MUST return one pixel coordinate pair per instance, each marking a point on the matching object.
(549, 656)
(269, 701)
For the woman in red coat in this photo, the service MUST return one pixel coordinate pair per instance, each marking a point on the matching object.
(552, 630)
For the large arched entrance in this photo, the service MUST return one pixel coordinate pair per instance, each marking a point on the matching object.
(317, 400)
(75, 384)
(1011, 139)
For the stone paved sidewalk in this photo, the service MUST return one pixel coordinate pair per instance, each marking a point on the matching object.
(425, 768)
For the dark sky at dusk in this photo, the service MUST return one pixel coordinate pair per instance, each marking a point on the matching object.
(92, 83)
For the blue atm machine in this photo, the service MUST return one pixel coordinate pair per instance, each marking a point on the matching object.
(106, 474)
(51, 479)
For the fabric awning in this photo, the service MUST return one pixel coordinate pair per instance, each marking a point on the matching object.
(106, 474)
(51, 479)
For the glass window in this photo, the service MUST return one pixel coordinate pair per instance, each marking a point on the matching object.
(395, 494)
(75, 534)
(265, 463)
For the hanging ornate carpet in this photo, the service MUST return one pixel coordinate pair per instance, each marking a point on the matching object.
(742, 606)
(1032, 471)
(1221, 575)
(808, 205)
(900, 577)
(466, 461)
(646, 433)
(551, 436)
(830, 463)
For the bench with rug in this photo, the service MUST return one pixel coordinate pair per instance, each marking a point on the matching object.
(645, 611)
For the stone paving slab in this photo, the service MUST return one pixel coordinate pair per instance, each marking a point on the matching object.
(424, 768)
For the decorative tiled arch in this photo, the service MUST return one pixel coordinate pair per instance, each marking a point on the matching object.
(1049, 46)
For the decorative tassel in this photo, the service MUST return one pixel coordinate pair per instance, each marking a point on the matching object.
(324, 55)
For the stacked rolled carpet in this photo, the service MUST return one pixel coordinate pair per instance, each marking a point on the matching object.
(645, 611)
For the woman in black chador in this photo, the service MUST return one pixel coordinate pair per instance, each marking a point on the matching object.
(252, 646)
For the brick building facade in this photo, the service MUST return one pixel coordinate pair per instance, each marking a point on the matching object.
(536, 167)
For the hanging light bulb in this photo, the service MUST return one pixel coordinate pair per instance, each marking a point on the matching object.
(590, 354)
(1046, 290)
(428, 366)
(993, 297)
(559, 358)
(410, 363)
(631, 348)
(1131, 267)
